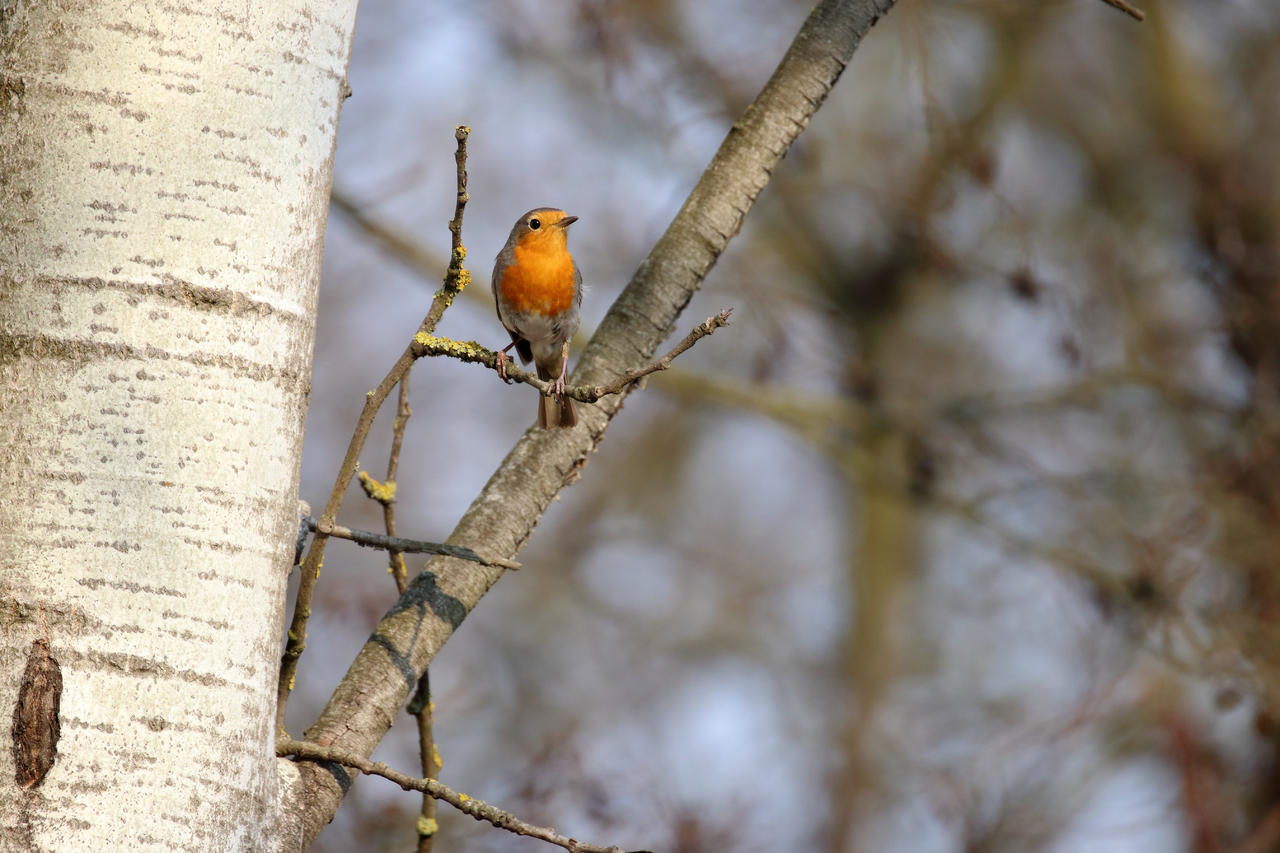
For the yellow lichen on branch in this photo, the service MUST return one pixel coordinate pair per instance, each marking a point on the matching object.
(471, 351)
(383, 493)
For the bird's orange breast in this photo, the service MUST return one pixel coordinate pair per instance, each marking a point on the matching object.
(540, 281)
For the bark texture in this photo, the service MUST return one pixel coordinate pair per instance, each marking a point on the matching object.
(164, 170)
(504, 514)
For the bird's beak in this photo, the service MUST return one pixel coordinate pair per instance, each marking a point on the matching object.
(566, 222)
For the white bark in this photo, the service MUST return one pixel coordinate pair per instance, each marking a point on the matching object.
(164, 172)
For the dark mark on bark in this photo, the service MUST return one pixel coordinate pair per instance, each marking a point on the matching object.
(36, 727)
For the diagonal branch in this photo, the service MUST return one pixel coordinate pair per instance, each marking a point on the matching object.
(478, 809)
(510, 505)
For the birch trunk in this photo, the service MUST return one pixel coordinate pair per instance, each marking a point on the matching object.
(164, 173)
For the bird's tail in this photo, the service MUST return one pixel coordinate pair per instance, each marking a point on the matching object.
(554, 412)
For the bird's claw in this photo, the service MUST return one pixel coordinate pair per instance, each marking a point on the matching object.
(500, 365)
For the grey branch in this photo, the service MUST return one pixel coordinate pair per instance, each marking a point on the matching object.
(477, 354)
(408, 546)
(478, 809)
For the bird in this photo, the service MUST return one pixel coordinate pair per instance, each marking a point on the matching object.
(538, 291)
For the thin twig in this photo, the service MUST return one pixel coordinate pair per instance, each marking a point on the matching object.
(478, 809)
(408, 546)
(423, 709)
(421, 706)
(470, 351)
(386, 495)
(456, 278)
(460, 160)
(1136, 14)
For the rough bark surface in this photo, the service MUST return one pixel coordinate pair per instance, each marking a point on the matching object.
(164, 170)
(511, 503)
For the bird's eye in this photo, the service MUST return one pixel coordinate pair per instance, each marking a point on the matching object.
(535, 224)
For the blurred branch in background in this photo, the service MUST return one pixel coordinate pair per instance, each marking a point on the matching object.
(408, 251)
(1136, 14)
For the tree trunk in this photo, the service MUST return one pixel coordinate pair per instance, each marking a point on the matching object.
(164, 171)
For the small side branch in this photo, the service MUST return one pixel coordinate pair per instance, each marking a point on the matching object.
(470, 351)
(405, 546)
(478, 809)
(1132, 12)
(700, 331)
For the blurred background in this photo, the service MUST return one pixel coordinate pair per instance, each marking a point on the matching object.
(963, 537)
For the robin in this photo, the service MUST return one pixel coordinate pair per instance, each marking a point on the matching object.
(538, 289)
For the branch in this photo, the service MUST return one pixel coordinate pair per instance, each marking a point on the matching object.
(1136, 14)
(424, 710)
(470, 351)
(456, 278)
(400, 246)
(510, 505)
(478, 809)
(385, 492)
(369, 539)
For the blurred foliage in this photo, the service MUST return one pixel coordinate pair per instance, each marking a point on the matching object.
(964, 536)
